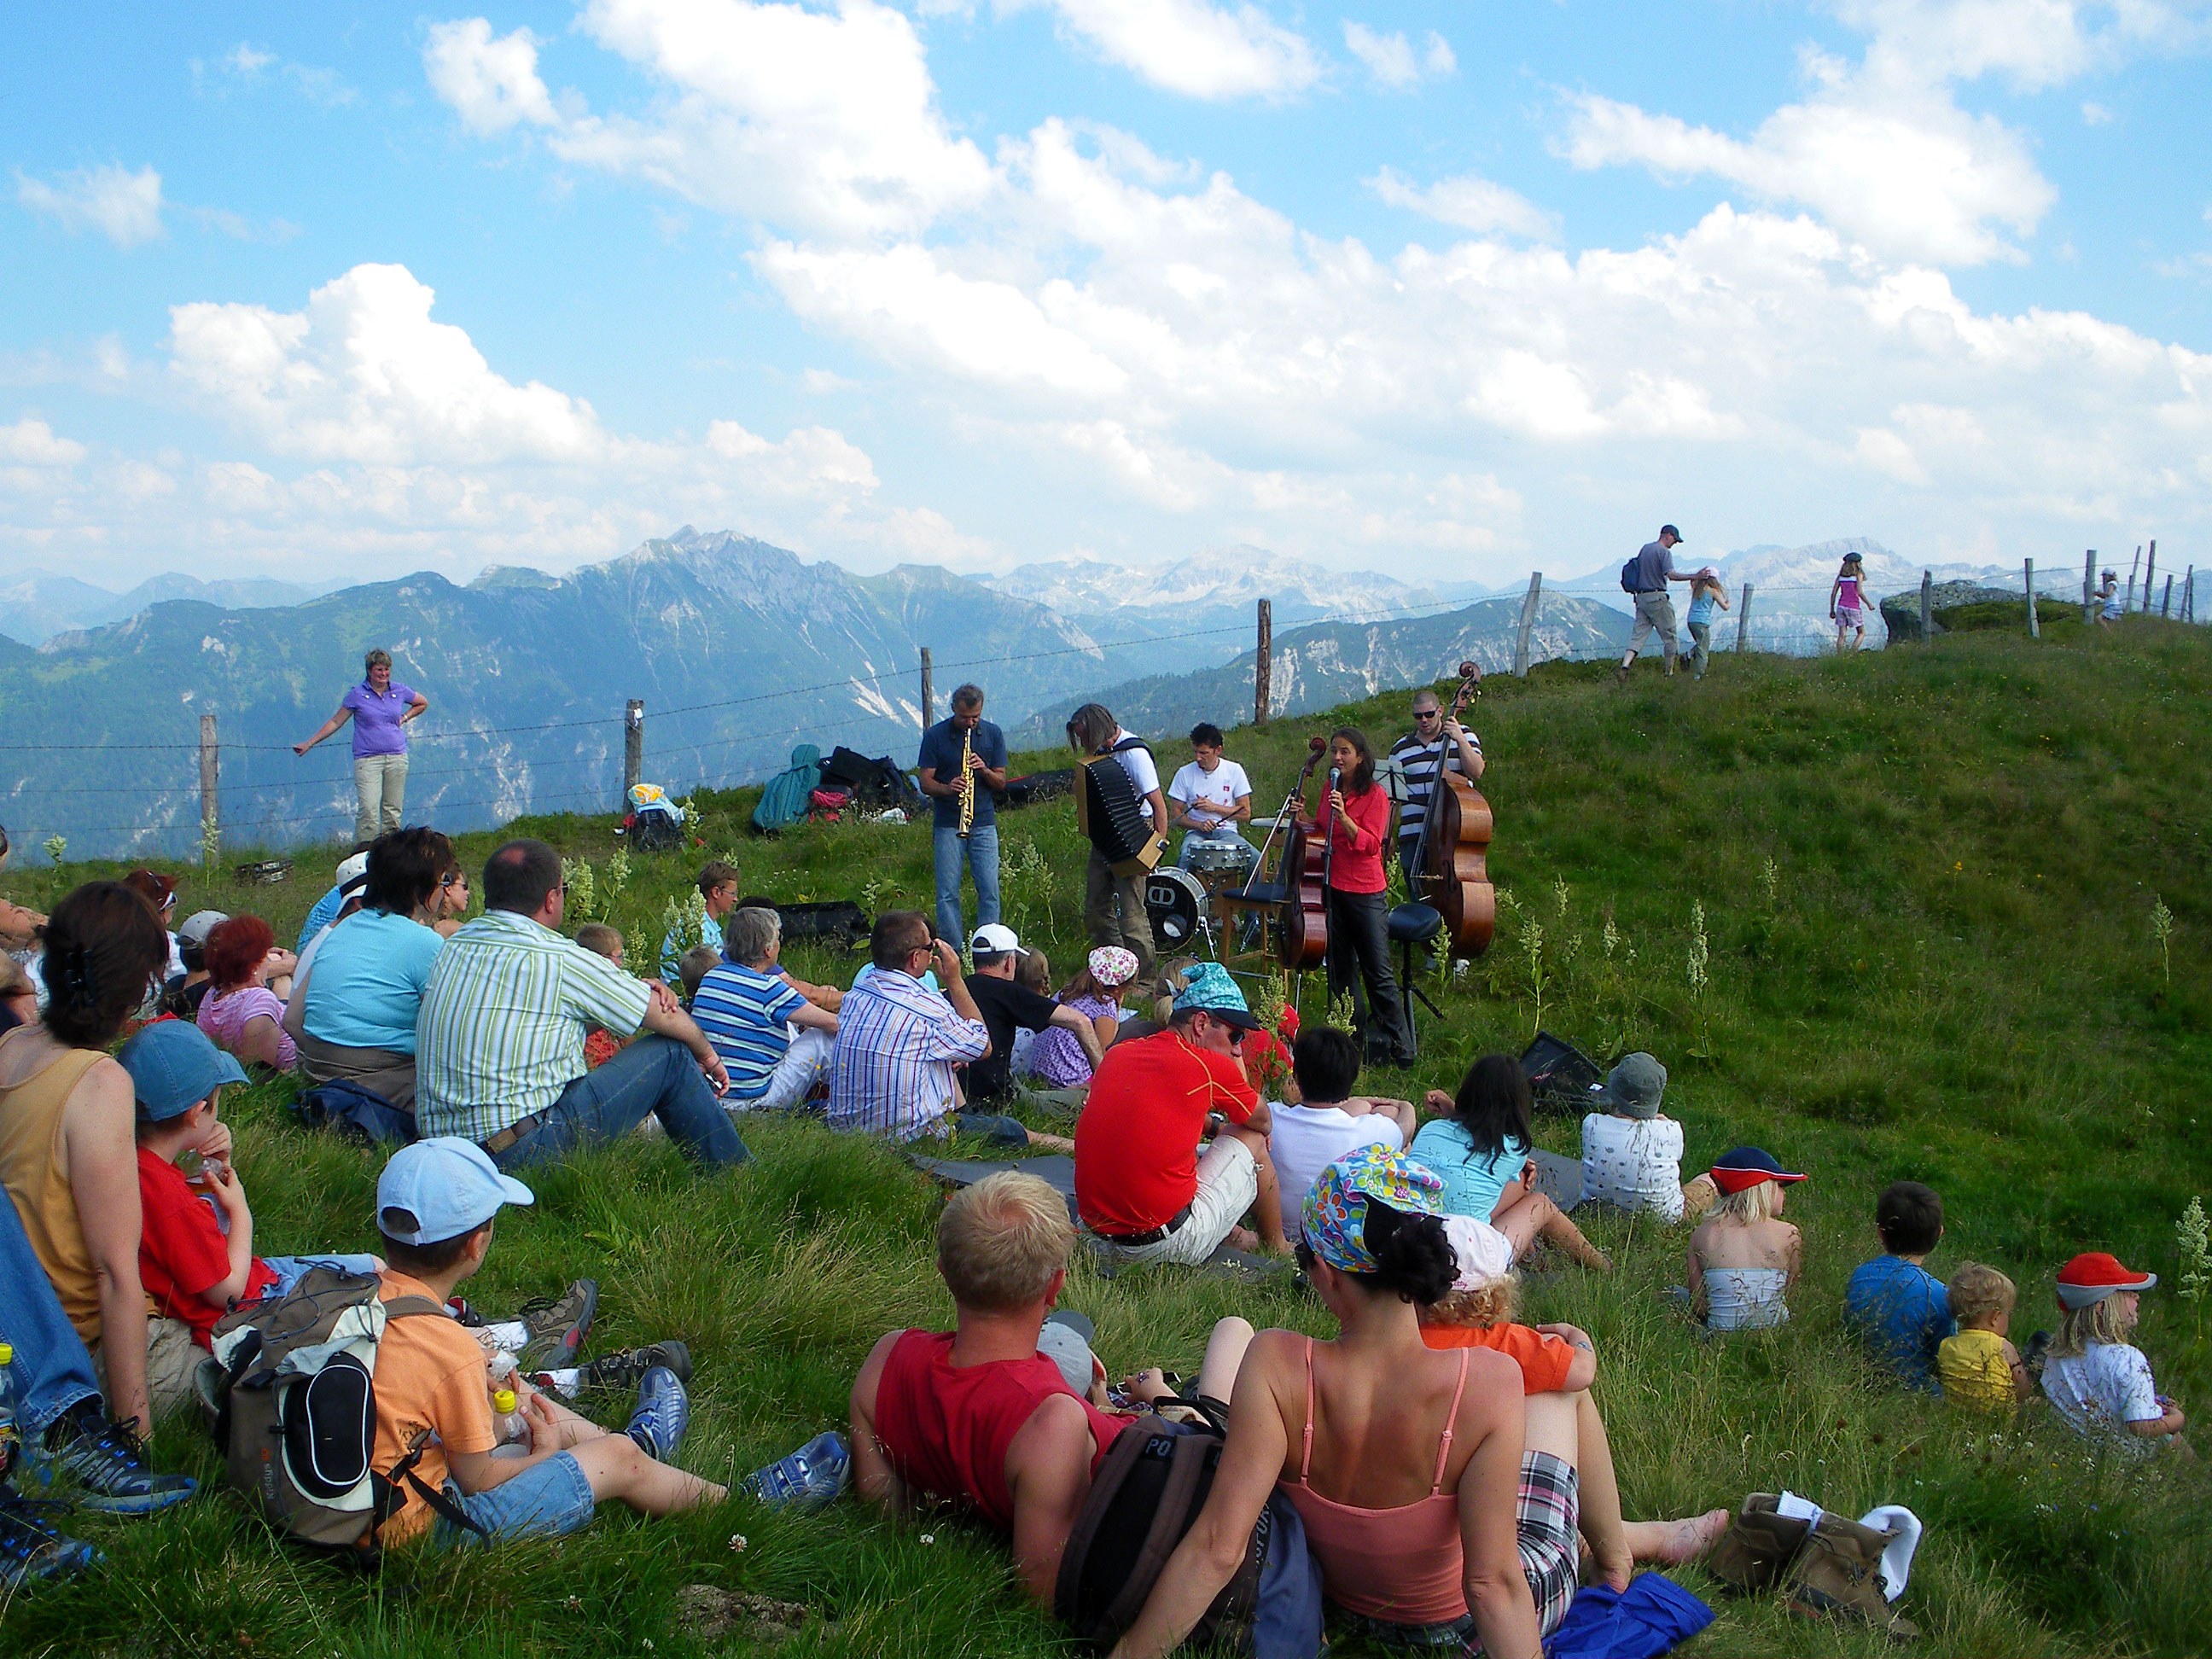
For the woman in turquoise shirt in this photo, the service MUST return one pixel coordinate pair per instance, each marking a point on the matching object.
(1480, 1153)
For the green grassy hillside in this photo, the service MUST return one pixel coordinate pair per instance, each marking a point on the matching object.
(1929, 882)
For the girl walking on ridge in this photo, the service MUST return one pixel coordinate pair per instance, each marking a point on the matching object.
(1847, 602)
(1705, 592)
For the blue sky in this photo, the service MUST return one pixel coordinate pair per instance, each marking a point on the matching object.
(1436, 290)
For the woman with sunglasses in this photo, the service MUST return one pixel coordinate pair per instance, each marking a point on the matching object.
(1435, 744)
(449, 905)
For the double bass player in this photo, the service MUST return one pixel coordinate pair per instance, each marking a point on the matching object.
(1438, 741)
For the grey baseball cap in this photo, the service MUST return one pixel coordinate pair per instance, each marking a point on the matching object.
(1065, 1342)
(1633, 1087)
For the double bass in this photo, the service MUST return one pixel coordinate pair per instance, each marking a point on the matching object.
(1452, 856)
(1305, 883)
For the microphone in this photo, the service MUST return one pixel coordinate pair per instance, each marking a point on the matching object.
(1335, 777)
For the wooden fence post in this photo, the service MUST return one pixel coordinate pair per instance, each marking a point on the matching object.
(2189, 595)
(2027, 583)
(2166, 605)
(2089, 589)
(1927, 617)
(633, 748)
(2135, 569)
(1528, 622)
(2150, 577)
(211, 768)
(1263, 666)
(928, 694)
(1743, 619)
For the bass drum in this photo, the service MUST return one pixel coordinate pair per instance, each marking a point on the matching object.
(1176, 901)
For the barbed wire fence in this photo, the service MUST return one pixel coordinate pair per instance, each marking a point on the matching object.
(1785, 619)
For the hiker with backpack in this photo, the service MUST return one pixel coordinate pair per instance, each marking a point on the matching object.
(1645, 578)
(1441, 1508)
(431, 1392)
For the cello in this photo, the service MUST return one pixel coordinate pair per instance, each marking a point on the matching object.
(1455, 846)
(1305, 883)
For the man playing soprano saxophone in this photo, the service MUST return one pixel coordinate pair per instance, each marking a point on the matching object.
(945, 780)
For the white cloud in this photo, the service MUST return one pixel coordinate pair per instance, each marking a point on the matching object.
(2095, 115)
(491, 83)
(245, 64)
(1190, 47)
(123, 206)
(823, 122)
(1471, 202)
(1391, 60)
(32, 443)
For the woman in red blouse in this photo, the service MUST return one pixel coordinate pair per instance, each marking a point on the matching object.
(1358, 816)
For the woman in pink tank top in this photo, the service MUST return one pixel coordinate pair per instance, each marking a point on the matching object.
(1440, 1505)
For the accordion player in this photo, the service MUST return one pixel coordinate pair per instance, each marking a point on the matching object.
(1112, 814)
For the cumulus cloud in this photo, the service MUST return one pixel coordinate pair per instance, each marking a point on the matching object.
(1471, 202)
(1391, 58)
(826, 122)
(1190, 47)
(32, 443)
(124, 207)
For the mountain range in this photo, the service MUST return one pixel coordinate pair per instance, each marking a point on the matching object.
(737, 649)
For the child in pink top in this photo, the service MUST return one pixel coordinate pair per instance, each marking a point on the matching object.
(1847, 602)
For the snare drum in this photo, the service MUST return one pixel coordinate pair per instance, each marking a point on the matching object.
(1209, 857)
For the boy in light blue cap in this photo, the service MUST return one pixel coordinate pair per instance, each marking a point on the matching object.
(435, 1205)
(196, 1249)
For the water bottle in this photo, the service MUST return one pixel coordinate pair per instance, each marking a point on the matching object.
(509, 1427)
(7, 1408)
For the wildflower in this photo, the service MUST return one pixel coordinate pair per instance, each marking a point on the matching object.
(2193, 1237)
(736, 1547)
(929, 1537)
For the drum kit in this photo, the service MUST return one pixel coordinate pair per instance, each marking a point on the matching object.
(1179, 900)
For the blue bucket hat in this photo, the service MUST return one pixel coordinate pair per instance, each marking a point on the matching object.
(173, 1067)
(1207, 989)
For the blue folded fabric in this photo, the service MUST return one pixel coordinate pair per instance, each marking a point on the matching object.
(1641, 1622)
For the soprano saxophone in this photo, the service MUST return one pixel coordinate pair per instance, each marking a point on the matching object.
(967, 785)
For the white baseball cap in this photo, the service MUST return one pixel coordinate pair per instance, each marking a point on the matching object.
(450, 1186)
(996, 939)
(1484, 1253)
(352, 872)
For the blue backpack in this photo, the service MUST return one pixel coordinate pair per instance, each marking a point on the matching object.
(1628, 576)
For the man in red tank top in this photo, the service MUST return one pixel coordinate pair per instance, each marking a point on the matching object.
(976, 1415)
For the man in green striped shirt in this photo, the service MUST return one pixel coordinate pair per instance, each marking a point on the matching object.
(500, 1039)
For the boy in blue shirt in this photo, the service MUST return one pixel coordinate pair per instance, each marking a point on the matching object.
(1900, 1309)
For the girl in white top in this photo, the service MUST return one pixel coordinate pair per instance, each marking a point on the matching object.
(1744, 1257)
(2099, 1382)
(1633, 1151)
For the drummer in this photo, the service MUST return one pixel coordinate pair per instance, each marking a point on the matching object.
(1433, 739)
(1209, 798)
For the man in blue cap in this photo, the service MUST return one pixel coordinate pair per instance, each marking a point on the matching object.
(1646, 576)
(1139, 1186)
(435, 1202)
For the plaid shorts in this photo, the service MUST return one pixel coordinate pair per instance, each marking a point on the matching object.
(1544, 1518)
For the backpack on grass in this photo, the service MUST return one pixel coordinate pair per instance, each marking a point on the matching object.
(1147, 1492)
(296, 1411)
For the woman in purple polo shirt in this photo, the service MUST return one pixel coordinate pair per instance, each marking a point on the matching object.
(379, 711)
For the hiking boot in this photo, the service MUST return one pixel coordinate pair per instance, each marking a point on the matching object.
(1837, 1575)
(1756, 1550)
(557, 1327)
(811, 1476)
(104, 1462)
(1621, 675)
(29, 1548)
(663, 1411)
(626, 1368)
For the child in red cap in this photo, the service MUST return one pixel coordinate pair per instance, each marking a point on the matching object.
(2099, 1382)
(1744, 1257)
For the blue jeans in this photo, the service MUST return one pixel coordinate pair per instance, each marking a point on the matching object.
(51, 1370)
(654, 1076)
(982, 851)
(545, 1501)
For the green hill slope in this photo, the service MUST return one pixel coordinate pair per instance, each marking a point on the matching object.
(1929, 882)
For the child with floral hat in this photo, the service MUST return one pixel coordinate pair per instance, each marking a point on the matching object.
(1096, 992)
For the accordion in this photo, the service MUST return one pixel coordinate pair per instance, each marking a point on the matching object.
(1112, 815)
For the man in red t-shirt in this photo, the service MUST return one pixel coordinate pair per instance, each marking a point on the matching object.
(976, 1416)
(1139, 1183)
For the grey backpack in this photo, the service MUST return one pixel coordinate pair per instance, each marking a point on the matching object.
(295, 1414)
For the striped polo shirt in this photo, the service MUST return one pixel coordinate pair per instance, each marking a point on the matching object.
(501, 1033)
(1419, 761)
(744, 1012)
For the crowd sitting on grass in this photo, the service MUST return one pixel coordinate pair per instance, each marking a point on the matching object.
(1447, 1467)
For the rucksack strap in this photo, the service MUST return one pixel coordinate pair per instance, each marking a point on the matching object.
(403, 1470)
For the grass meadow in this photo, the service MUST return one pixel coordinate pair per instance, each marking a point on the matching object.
(1890, 914)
